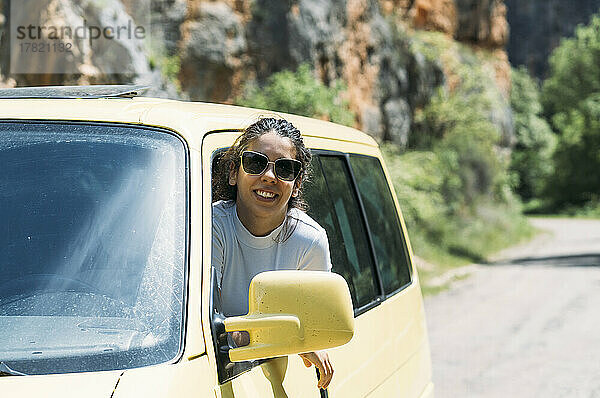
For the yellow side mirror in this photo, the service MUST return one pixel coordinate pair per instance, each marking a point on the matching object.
(292, 312)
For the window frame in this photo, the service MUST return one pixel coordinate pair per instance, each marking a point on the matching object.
(379, 297)
(382, 296)
(404, 235)
(226, 370)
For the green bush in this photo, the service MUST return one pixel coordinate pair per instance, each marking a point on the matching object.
(168, 65)
(454, 184)
(457, 127)
(299, 93)
(468, 105)
(418, 184)
(438, 232)
(472, 167)
(531, 159)
(590, 210)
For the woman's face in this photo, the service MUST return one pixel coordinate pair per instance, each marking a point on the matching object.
(264, 195)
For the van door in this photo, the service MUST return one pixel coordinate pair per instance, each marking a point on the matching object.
(335, 205)
(350, 197)
(403, 332)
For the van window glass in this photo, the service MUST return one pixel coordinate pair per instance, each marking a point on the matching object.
(384, 224)
(92, 247)
(333, 205)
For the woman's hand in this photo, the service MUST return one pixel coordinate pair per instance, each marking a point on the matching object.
(241, 338)
(321, 360)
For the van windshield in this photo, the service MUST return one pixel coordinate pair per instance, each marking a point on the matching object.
(92, 246)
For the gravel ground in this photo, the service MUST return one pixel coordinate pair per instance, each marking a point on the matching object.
(527, 325)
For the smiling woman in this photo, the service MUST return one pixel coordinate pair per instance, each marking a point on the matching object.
(258, 222)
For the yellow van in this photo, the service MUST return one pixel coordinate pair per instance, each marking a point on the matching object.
(105, 276)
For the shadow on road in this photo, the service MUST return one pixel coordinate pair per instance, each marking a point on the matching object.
(580, 260)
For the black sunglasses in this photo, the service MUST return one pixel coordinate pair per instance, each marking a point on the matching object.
(255, 163)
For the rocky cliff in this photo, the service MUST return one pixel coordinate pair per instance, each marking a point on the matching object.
(536, 27)
(218, 46)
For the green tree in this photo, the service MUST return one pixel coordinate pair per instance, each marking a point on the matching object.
(571, 99)
(574, 70)
(577, 158)
(531, 159)
(299, 93)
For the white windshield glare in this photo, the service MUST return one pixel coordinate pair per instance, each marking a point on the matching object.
(92, 247)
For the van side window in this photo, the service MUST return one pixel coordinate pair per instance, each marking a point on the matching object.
(333, 205)
(386, 232)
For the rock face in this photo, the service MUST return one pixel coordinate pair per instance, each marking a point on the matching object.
(360, 42)
(120, 60)
(221, 45)
(538, 25)
(88, 61)
(213, 49)
(348, 40)
(435, 15)
(482, 22)
(4, 54)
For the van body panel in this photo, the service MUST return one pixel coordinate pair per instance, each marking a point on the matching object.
(381, 355)
(72, 385)
(428, 392)
(412, 377)
(108, 110)
(410, 380)
(190, 119)
(183, 379)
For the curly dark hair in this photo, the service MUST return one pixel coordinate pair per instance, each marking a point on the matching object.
(231, 159)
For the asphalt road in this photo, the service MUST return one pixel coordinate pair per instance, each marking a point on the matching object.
(527, 325)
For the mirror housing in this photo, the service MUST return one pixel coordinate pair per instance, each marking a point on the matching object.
(293, 312)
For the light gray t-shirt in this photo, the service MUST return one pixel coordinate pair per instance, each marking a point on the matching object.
(238, 256)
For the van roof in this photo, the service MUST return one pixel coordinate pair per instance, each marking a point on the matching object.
(191, 119)
(94, 91)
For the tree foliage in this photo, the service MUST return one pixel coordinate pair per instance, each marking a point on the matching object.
(577, 158)
(571, 99)
(532, 155)
(457, 127)
(574, 70)
(299, 93)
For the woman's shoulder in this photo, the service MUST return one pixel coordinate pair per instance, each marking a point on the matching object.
(305, 224)
(223, 209)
